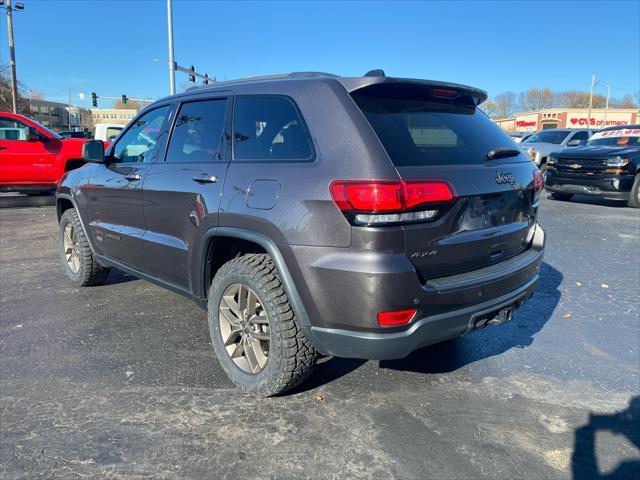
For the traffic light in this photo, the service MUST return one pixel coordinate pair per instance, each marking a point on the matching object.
(124, 99)
(206, 79)
(94, 99)
(192, 75)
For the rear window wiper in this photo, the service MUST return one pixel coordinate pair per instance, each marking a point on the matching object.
(502, 153)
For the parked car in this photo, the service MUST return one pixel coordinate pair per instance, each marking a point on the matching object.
(521, 136)
(32, 157)
(540, 145)
(107, 131)
(308, 213)
(608, 166)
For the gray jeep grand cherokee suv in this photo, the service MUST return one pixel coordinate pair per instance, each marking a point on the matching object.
(313, 214)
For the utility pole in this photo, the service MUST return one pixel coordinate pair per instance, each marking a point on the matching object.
(593, 84)
(606, 105)
(12, 56)
(172, 63)
(69, 108)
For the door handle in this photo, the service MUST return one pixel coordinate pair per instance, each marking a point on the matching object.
(205, 178)
(3, 148)
(132, 177)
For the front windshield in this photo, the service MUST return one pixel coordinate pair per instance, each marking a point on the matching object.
(622, 137)
(549, 136)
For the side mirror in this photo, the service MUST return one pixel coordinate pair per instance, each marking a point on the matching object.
(574, 143)
(93, 151)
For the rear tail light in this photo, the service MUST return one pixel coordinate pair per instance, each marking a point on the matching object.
(395, 318)
(390, 201)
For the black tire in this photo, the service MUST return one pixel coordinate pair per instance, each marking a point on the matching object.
(89, 271)
(291, 356)
(634, 195)
(563, 197)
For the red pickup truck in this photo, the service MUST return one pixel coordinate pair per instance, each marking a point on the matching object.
(32, 157)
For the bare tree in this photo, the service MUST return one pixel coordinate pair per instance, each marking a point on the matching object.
(6, 103)
(36, 95)
(505, 104)
(537, 99)
(625, 102)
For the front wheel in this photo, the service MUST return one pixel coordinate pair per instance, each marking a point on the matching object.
(634, 195)
(254, 332)
(80, 265)
(564, 197)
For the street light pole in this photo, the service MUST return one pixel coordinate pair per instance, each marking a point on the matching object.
(12, 55)
(172, 63)
(593, 84)
(606, 106)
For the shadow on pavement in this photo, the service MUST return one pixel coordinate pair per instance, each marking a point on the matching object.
(587, 200)
(584, 463)
(454, 354)
(25, 201)
(116, 277)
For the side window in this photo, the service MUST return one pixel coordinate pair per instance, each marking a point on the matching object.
(140, 140)
(11, 129)
(582, 136)
(269, 128)
(197, 132)
(112, 132)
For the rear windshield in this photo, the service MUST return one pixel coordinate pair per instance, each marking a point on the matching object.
(417, 131)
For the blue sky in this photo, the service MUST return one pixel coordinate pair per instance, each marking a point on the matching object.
(110, 46)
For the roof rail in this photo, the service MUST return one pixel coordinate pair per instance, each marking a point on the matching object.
(279, 76)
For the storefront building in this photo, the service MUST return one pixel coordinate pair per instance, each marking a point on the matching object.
(568, 118)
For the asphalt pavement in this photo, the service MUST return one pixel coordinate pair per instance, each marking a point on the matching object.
(120, 380)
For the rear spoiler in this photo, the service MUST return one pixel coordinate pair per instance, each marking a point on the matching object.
(453, 91)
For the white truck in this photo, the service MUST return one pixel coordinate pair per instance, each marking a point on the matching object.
(107, 131)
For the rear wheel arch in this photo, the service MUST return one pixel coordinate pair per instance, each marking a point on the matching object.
(63, 204)
(240, 238)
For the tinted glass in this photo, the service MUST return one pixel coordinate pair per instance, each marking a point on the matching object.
(414, 131)
(197, 132)
(11, 129)
(549, 136)
(140, 140)
(269, 128)
(582, 136)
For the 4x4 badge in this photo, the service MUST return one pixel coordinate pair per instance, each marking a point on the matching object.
(505, 177)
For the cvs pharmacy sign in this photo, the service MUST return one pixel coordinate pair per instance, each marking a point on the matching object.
(595, 122)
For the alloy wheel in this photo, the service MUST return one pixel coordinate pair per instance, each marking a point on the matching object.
(71, 248)
(244, 327)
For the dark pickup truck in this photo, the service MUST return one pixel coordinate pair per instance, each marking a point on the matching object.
(607, 166)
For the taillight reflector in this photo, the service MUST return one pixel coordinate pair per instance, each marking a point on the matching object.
(395, 318)
(376, 196)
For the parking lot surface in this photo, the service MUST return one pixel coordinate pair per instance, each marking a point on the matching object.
(120, 380)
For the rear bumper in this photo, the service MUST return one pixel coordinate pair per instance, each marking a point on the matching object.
(342, 294)
(426, 331)
(617, 187)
